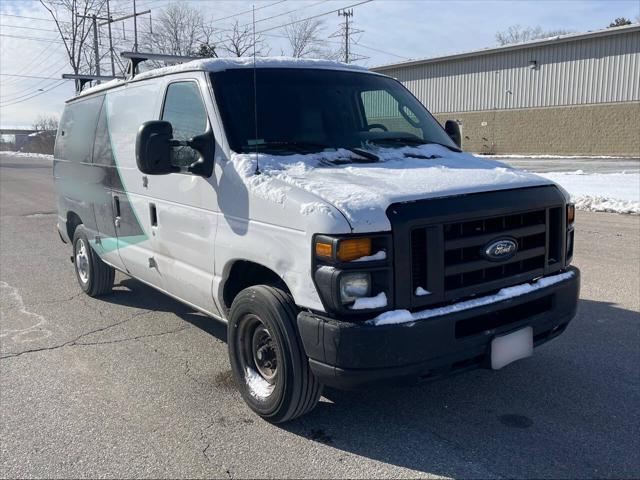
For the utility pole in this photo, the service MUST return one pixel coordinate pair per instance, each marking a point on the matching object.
(347, 32)
(346, 14)
(96, 48)
(113, 67)
(96, 51)
(135, 27)
(133, 15)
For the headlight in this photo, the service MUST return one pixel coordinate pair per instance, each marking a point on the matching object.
(348, 267)
(354, 285)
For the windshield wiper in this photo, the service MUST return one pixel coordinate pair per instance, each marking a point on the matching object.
(310, 147)
(411, 141)
(290, 145)
(372, 157)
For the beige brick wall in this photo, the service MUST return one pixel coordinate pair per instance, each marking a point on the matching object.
(602, 129)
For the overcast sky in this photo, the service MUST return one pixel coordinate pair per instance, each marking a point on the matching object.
(393, 30)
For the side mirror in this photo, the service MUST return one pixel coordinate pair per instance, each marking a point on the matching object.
(153, 148)
(453, 130)
(155, 144)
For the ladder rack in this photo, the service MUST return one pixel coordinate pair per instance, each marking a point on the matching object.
(136, 58)
(83, 79)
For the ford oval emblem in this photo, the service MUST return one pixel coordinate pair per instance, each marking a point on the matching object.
(500, 249)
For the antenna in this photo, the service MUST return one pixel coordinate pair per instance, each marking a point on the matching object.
(255, 90)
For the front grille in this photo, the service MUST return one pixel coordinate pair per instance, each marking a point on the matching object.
(444, 256)
(466, 271)
(463, 242)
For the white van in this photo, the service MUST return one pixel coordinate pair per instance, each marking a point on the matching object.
(323, 213)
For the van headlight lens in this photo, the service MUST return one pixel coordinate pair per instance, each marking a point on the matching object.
(354, 285)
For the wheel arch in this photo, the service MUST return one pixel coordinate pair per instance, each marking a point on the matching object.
(241, 274)
(73, 220)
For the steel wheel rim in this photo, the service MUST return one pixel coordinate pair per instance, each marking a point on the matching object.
(258, 357)
(82, 261)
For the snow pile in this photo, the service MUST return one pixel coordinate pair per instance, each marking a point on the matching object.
(25, 154)
(381, 255)
(364, 303)
(554, 157)
(258, 386)
(421, 292)
(363, 191)
(405, 316)
(312, 207)
(601, 192)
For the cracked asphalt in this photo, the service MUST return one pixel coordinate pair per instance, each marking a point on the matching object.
(138, 385)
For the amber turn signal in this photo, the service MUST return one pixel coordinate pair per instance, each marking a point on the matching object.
(324, 250)
(571, 213)
(353, 249)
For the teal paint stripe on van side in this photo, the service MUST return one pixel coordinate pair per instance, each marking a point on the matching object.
(110, 244)
(126, 240)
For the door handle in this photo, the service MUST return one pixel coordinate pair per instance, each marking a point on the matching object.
(153, 215)
(116, 204)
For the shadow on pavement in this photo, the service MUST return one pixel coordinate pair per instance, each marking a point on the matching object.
(568, 411)
(138, 295)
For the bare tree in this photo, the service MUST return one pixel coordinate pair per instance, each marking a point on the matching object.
(239, 42)
(45, 123)
(305, 38)
(73, 25)
(178, 30)
(518, 34)
(619, 22)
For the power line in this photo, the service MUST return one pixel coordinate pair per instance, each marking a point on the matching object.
(43, 83)
(35, 95)
(28, 76)
(39, 39)
(312, 17)
(246, 11)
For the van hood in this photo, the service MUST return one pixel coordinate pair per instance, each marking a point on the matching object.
(362, 192)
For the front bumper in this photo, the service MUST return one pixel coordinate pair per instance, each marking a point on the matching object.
(351, 355)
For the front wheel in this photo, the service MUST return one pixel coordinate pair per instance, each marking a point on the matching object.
(268, 361)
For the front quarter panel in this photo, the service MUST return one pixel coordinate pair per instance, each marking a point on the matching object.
(267, 222)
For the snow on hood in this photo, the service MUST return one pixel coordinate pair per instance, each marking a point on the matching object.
(363, 191)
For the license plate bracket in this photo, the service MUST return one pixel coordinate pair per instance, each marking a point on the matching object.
(510, 347)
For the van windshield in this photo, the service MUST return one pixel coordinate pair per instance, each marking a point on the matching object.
(311, 110)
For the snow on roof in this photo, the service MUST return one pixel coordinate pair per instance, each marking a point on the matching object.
(221, 64)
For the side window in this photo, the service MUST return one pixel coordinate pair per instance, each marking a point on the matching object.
(383, 112)
(102, 147)
(77, 130)
(185, 110)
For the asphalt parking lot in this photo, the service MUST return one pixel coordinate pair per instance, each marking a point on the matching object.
(137, 385)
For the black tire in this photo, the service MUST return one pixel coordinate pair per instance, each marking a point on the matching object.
(94, 276)
(279, 392)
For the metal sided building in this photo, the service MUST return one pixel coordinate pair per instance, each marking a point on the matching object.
(576, 94)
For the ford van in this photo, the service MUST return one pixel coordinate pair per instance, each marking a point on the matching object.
(323, 214)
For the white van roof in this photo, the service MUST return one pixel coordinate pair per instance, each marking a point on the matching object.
(221, 64)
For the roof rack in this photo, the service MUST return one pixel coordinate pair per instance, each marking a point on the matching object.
(82, 79)
(135, 58)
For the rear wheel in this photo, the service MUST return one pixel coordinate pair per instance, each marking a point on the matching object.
(268, 361)
(94, 276)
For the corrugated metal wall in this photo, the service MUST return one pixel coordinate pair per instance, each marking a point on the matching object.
(592, 70)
